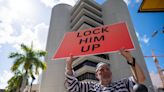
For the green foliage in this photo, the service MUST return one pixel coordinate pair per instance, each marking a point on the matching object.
(15, 82)
(29, 62)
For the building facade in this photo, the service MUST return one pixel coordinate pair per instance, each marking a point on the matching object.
(33, 88)
(87, 14)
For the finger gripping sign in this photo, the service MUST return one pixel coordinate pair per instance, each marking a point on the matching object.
(99, 40)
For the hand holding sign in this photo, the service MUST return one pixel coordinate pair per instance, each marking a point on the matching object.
(104, 39)
(70, 59)
(127, 55)
(69, 62)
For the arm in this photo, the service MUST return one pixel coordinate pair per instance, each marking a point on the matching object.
(69, 62)
(136, 69)
(73, 84)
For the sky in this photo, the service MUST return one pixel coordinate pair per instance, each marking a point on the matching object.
(26, 21)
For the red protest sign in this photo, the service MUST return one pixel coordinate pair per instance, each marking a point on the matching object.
(103, 39)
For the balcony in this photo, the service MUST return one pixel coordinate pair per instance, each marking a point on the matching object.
(87, 13)
(89, 2)
(86, 20)
(86, 6)
(86, 62)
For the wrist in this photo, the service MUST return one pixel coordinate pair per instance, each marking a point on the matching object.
(132, 62)
(69, 68)
(130, 59)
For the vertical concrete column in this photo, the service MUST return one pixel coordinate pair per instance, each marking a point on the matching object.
(53, 78)
(115, 11)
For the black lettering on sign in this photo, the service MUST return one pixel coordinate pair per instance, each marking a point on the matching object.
(78, 35)
(99, 39)
(91, 39)
(83, 40)
(96, 31)
(94, 46)
(83, 49)
(89, 47)
(105, 29)
(86, 33)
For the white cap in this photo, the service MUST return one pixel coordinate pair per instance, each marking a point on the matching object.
(100, 64)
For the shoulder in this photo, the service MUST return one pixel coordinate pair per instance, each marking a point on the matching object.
(128, 82)
(124, 80)
(94, 86)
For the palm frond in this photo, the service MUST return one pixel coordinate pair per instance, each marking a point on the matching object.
(40, 64)
(41, 53)
(17, 64)
(43, 65)
(15, 55)
(25, 48)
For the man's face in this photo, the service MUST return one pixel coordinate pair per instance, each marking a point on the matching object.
(104, 73)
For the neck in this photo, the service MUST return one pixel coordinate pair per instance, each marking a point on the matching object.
(105, 82)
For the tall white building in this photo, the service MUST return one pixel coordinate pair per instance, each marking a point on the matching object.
(86, 14)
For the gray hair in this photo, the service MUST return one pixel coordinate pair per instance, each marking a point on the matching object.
(100, 64)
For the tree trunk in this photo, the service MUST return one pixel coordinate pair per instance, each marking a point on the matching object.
(31, 85)
(24, 82)
(33, 78)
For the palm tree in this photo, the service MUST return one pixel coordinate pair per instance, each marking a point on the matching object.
(29, 61)
(14, 83)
